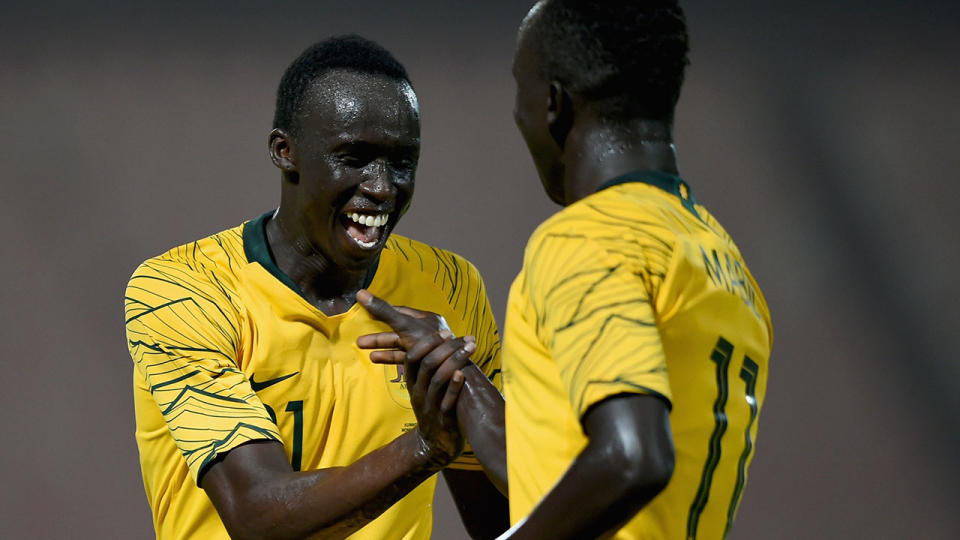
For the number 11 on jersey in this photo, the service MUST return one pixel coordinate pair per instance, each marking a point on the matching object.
(721, 355)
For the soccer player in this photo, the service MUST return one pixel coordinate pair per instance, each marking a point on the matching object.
(636, 340)
(636, 343)
(257, 415)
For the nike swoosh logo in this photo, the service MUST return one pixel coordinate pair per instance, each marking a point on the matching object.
(257, 386)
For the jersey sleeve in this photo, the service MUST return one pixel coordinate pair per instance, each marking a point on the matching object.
(478, 321)
(594, 315)
(183, 336)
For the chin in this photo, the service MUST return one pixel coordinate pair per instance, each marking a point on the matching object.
(360, 261)
(551, 178)
(554, 190)
(556, 195)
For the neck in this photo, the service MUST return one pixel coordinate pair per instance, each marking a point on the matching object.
(330, 288)
(596, 151)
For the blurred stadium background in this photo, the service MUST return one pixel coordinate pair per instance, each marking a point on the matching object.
(823, 134)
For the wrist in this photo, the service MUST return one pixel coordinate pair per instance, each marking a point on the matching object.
(479, 398)
(427, 456)
(476, 379)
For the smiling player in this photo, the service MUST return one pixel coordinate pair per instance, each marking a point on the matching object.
(256, 412)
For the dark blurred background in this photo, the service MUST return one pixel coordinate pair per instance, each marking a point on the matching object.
(823, 134)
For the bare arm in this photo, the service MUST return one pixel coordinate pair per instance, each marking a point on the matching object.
(484, 510)
(480, 414)
(258, 495)
(626, 463)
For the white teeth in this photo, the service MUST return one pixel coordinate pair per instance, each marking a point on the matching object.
(368, 220)
(365, 244)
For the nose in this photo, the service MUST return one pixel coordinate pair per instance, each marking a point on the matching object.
(379, 184)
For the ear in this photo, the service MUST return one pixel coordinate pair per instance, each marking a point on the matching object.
(281, 151)
(559, 113)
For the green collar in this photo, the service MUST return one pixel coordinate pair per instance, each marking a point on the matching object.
(256, 249)
(667, 182)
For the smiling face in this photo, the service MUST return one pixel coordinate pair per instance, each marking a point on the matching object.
(353, 162)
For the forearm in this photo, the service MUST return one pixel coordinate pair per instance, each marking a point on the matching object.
(332, 503)
(598, 494)
(481, 417)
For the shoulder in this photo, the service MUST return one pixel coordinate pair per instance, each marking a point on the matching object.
(604, 221)
(632, 226)
(206, 268)
(618, 209)
(217, 253)
(711, 222)
(442, 266)
(437, 280)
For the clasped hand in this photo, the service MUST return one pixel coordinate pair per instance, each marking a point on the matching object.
(432, 359)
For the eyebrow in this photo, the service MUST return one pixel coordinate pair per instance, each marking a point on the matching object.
(365, 145)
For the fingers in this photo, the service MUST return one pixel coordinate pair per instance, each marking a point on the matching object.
(419, 369)
(391, 340)
(383, 340)
(421, 348)
(433, 318)
(391, 353)
(425, 346)
(413, 312)
(410, 325)
(453, 392)
(393, 356)
(381, 309)
(438, 368)
(390, 343)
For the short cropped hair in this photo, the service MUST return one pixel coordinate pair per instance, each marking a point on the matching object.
(626, 58)
(348, 52)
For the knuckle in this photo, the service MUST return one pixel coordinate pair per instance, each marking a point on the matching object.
(430, 364)
(462, 358)
(435, 339)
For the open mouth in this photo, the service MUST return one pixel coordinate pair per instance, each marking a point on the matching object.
(366, 230)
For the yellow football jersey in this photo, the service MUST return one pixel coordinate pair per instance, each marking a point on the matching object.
(637, 289)
(227, 351)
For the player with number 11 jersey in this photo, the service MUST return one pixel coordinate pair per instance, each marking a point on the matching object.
(637, 289)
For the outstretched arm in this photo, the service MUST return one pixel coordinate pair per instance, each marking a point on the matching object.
(258, 495)
(626, 463)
